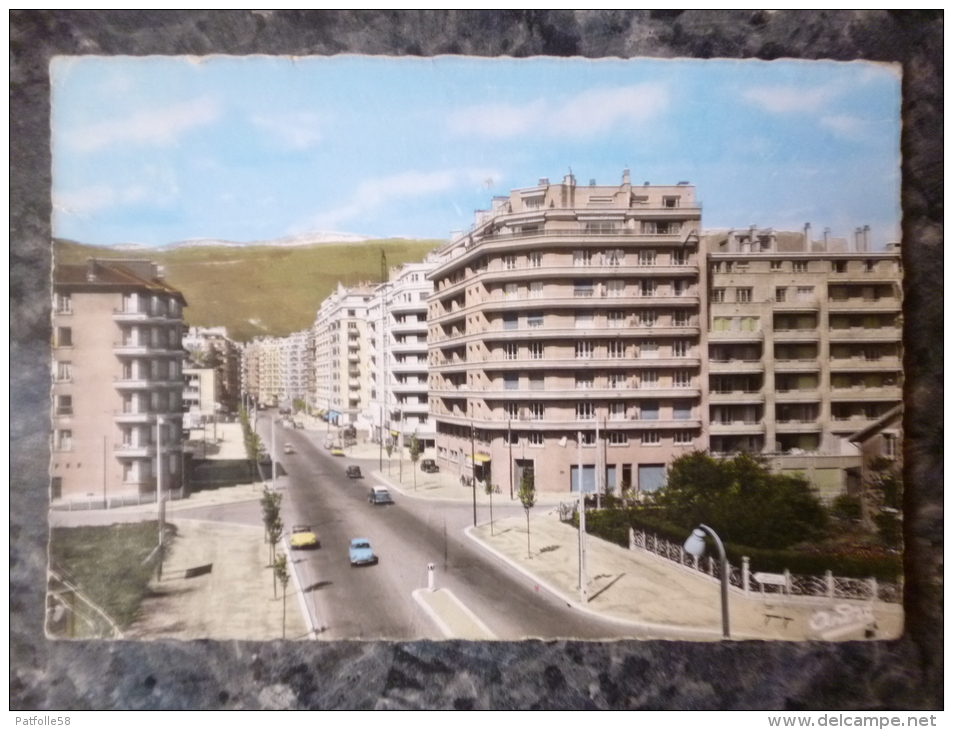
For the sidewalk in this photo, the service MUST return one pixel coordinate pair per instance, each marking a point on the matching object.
(234, 601)
(657, 594)
(447, 487)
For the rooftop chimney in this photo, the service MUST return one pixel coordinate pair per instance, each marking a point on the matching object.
(866, 238)
(807, 237)
(827, 236)
(90, 269)
(858, 236)
(544, 181)
(625, 176)
(592, 182)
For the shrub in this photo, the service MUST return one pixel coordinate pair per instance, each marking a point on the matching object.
(846, 507)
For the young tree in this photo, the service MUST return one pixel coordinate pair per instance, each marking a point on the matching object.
(488, 488)
(527, 495)
(274, 537)
(625, 489)
(414, 455)
(281, 571)
(389, 448)
(270, 510)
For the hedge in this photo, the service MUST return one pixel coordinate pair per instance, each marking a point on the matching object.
(613, 526)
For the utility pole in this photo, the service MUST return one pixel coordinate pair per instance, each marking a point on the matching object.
(383, 355)
(582, 525)
(473, 466)
(509, 441)
(160, 503)
(274, 454)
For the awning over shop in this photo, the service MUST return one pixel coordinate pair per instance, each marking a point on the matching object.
(395, 434)
(479, 458)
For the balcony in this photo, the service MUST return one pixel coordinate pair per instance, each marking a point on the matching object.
(736, 396)
(797, 305)
(408, 327)
(735, 366)
(353, 357)
(857, 393)
(735, 336)
(865, 334)
(411, 367)
(796, 366)
(410, 387)
(144, 316)
(859, 305)
(847, 364)
(811, 395)
(796, 335)
(134, 450)
(740, 428)
(797, 426)
(127, 349)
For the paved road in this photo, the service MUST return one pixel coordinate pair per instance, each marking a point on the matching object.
(376, 602)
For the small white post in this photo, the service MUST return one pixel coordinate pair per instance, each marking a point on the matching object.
(829, 579)
(431, 568)
(631, 539)
(745, 572)
(872, 583)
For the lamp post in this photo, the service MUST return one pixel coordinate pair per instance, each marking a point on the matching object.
(583, 580)
(160, 502)
(695, 545)
(473, 468)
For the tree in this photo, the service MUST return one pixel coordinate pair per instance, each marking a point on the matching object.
(625, 489)
(299, 405)
(414, 455)
(389, 448)
(274, 537)
(270, 513)
(281, 571)
(527, 495)
(742, 500)
(488, 488)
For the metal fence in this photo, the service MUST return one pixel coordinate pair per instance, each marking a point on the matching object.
(86, 503)
(741, 580)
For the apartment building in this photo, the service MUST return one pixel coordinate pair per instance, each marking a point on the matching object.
(566, 336)
(397, 331)
(117, 380)
(341, 360)
(264, 369)
(200, 397)
(296, 362)
(211, 347)
(803, 346)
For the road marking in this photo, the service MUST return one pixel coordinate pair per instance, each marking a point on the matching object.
(467, 624)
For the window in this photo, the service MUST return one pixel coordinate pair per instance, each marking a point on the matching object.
(509, 263)
(681, 410)
(536, 411)
(584, 320)
(670, 201)
(585, 412)
(682, 437)
(350, 313)
(679, 257)
(648, 317)
(584, 382)
(617, 411)
(56, 487)
(511, 410)
(800, 267)
(64, 304)
(776, 265)
(682, 379)
(64, 440)
(584, 349)
(510, 321)
(616, 380)
(64, 371)
(64, 336)
(534, 320)
(717, 296)
(615, 319)
(648, 379)
(868, 266)
(647, 288)
(680, 348)
(890, 445)
(582, 288)
(536, 350)
(536, 382)
(780, 294)
(616, 349)
(615, 257)
(839, 267)
(648, 348)
(805, 293)
(588, 438)
(743, 295)
(648, 410)
(535, 439)
(616, 288)
(64, 405)
(750, 324)
(510, 291)
(646, 257)
(510, 350)
(682, 319)
(582, 258)
(651, 438)
(535, 259)
(617, 438)
(679, 287)
(536, 290)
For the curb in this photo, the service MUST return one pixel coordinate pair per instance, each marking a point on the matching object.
(302, 604)
(684, 634)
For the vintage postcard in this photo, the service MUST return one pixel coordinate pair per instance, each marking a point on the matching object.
(488, 349)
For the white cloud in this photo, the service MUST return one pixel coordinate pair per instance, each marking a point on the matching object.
(585, 114)
(161, 126)
(298, 130)
(844, 125)
(97, 197)
(783, 99)
(372, 194)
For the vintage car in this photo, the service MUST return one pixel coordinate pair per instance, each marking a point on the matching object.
(379, 495)
(289, 449)
(354, 472)
(337, 451)
(304, 538)
(429, 466)
(360, 552)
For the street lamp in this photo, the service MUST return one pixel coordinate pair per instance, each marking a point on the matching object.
(695, 545)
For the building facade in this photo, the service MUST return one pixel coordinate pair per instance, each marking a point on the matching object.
(211, 347)
(117, 380)
(566, 336)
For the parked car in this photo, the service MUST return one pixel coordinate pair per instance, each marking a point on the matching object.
(328, 442)
(289, 449)
(337, 451)
(360, 552)
(429, 466)
(354, 472)
(303, 538)
(379, 495)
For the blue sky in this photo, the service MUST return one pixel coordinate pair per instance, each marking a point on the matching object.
(159, 149)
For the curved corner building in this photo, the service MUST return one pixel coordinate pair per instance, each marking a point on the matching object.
(565, 336)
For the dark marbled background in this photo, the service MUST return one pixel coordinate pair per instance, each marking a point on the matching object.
(903, 674)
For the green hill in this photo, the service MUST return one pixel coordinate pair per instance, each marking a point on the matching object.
(260, 290)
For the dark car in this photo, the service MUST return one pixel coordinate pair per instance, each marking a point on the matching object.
(429, 466)
(354, 472)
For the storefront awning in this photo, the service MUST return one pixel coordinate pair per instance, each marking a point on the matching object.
(395, 434)
(480, 458)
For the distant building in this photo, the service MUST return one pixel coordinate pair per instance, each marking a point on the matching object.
(211, 347)
(200, 397)
(117, 380)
